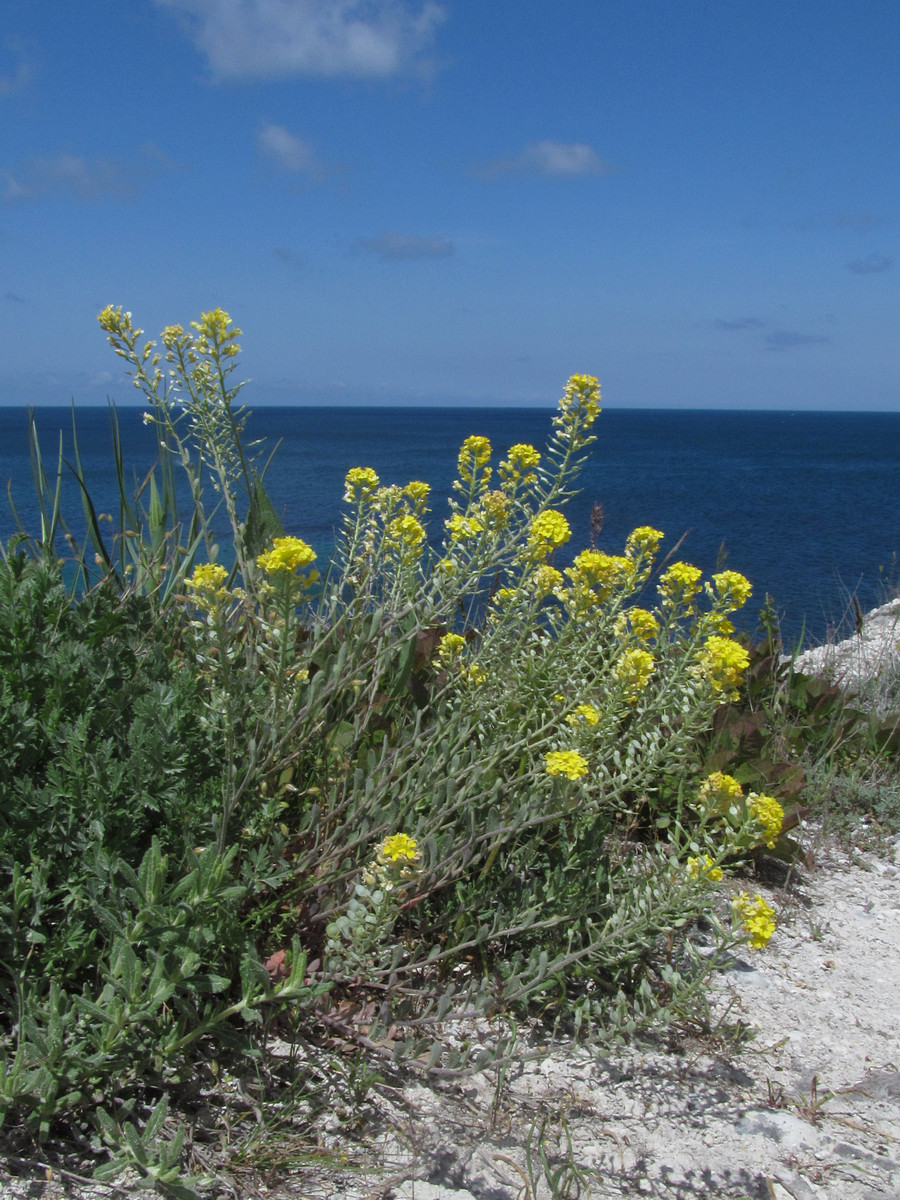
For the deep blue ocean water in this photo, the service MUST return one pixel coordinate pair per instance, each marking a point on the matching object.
(807, 505)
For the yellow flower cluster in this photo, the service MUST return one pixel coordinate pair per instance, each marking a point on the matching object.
(549, 529)
(518, 466)
(642, 623)
(359, 484)
(679, 584)
(459, 527)
(399, 846)
(756, 916)
(450, 647)
(207, 578)
(633, 670)
(567, 763)
(288, 554)
(704, 868)
(418, 493)
(722, 663)
(733, 589)
(406, 532)
(545, 580)
(494, 508)
(581, 397)
(643, 542)
(720, 792)
(594, 576)
(769, 813)
(474, 455)
(585, 713)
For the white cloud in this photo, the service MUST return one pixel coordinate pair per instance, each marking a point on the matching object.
(66, 175)
(253, 39)
(391, 246)
(873, 264)
(15, 80)
(289, 151)
(74, 176)
(546, 158)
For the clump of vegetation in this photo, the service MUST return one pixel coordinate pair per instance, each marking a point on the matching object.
(450, 777)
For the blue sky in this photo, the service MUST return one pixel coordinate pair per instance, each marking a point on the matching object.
(444, 201)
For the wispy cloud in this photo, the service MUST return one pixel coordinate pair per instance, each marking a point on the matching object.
(75, 176)
(786, 339)
(19, 74)
(776, 339)
(741, 323)
(549, 159)
(290, 152)
(391, 246)
(873, 264)
(290, 258)
(259, 39)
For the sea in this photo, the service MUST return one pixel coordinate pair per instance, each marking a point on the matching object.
(805, 504)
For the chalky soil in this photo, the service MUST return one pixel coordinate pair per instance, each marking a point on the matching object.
(808, 1107)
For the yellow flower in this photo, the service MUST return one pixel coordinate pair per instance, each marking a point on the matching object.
(704, 868)
(549, 529)
(722, 663)
(733, 590)
(460, 527)
(495, 509)
(474, 674)
(359, 484)
(207, 577)
(769, 813)
(568, 763)
(450, 647)
(643, 624)
(288, 554)
(581, 398)
(518, 466)
(406, 532)
(643, 542)
(474, 455)
(418, 493)
(545, 580)
(679, 584)
(397, 847)
(719, 792)
(756, 916)
(594, 576)
(633, 670)
(583, 713)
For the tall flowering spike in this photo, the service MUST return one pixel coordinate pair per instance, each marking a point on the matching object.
(474, 455)
(580, 399)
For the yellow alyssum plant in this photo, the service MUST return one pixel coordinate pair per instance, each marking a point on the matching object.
(417, 687)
